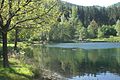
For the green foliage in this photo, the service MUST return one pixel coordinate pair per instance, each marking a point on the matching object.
(11, 36)
(102, 15)
(27, 14)
(100, 33)
(107, 31)
(81, 31)
(110, 32)
(72, 23)
(60, 32)
(92, 29)
(74, 12)
(117, 27)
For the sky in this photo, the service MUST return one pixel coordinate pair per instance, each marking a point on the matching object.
(103, 3)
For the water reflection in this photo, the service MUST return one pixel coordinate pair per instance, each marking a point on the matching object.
(80, 64)
(101, 76)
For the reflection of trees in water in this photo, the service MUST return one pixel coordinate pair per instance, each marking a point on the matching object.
(72, 62)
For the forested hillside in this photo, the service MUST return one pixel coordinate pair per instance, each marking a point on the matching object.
(68, 22)
(83, 22)
(102, 15)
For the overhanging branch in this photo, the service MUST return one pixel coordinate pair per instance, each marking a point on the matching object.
(34, 18)
(27, 2)
(15, 26)
(11, 14)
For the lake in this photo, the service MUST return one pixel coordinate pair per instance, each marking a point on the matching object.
(81, 61)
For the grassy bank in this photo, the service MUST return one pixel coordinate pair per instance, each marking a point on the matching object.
(18, 71)
(111, 39)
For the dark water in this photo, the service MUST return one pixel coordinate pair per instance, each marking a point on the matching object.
(81, 61)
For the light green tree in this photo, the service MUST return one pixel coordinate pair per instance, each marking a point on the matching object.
(74, 12)
(14, 13)
(92, 29)
(117, 27)
(60, 31)
(100, 33)
(106, 31)
(81, 31)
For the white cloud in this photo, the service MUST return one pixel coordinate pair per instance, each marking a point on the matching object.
(93, 2)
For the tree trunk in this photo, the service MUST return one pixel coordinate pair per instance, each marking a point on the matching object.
(0, 42)
(5, 50)
(16, 39)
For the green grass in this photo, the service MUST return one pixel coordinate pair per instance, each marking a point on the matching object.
(111, 39)
(8, 44)
(18, 71)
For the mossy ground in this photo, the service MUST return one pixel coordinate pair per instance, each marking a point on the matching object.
(17, 71)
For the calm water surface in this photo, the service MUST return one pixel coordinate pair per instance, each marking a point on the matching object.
(81, 61)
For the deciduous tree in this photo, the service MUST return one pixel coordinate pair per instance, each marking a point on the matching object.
(15, 13)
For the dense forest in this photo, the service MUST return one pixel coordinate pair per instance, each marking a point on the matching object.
(73, 22)
(102, 15)
(81, 22)
(78, 23)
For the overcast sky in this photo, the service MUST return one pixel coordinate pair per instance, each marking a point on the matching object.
(93, 2)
